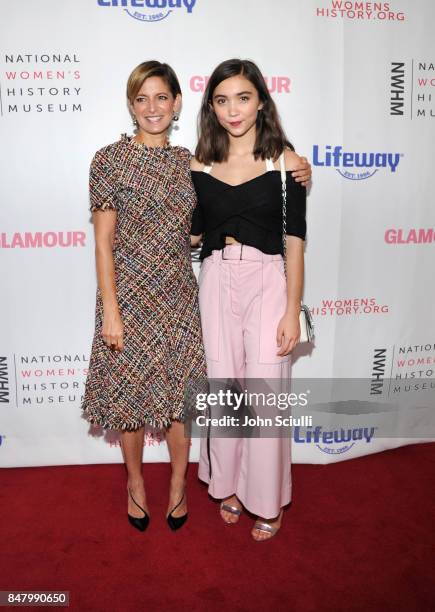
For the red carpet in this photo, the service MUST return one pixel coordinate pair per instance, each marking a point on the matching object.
(358, 536)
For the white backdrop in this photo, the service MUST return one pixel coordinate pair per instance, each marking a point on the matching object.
(353, 83)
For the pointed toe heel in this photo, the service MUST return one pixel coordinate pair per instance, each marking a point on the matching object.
(175, 522)
(140, 523)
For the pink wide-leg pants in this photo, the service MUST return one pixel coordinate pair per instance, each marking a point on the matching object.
(242, 297)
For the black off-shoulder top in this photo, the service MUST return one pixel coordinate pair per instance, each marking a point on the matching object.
(250, 212)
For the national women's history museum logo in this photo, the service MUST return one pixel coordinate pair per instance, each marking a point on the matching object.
(403, 369)
(404, 362)
(47, 82)
(50, 379)
(333, 442)
(149, 10)
(355, 166)
(411, 87)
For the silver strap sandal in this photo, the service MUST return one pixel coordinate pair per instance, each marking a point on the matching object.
(260, 526)
(232, 509)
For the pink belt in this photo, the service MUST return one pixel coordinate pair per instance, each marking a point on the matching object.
(243, 252)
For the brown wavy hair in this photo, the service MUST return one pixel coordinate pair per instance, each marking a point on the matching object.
(213, 140)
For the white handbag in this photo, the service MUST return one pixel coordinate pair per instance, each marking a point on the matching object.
(305, 319)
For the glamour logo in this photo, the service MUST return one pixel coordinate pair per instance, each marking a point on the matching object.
(150, 7)
(275, 84)
(38, 240)
(341, 160)
(324, 440)
(410, 236)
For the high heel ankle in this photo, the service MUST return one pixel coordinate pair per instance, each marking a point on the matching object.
(139, 523)
(175, 522)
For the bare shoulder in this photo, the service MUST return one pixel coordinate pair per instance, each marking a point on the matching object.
(196, 165)
(292, 159)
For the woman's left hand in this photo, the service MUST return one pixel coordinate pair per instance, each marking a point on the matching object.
(288, 333)
(302, 172)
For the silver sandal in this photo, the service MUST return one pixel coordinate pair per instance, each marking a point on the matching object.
(266, 528)
(231, 510)
(260, 526)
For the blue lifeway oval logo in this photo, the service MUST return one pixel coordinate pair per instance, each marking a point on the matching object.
(155, 10)
(355, 166)
(333, 442)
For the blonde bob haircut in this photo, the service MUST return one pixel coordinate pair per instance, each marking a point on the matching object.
(153, 68)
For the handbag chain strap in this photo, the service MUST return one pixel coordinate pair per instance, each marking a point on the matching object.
(307, 315)
(284, 209)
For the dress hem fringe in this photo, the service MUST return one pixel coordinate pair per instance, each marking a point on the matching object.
(151, 422)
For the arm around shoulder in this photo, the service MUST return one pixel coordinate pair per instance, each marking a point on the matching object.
(195, 165)
(298, 166)
(292, 160)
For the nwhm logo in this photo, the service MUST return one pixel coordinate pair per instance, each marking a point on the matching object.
(4, 381)
(397, 88)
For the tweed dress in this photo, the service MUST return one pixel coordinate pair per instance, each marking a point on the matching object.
(151, 190)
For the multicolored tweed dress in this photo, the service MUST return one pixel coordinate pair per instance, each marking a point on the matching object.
(152, 193)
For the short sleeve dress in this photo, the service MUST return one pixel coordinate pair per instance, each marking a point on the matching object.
(151, 190)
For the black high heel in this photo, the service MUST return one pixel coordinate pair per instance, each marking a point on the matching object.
(175, 522)
(140, 523)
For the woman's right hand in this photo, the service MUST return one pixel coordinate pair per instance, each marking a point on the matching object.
(113, 330)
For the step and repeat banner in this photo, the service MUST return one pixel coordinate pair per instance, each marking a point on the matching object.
(355, 86)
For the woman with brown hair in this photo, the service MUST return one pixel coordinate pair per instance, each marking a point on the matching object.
(249, 311)
(147, 343)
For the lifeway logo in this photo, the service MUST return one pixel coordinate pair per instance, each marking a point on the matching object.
(336, 441)
(150, 8)
(354, 166)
